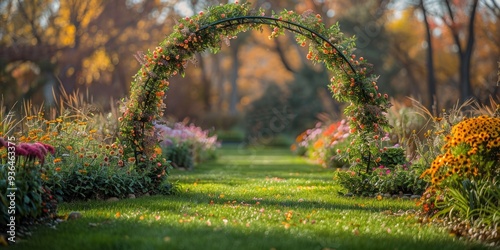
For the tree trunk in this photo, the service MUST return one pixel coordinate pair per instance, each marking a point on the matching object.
(431, 79)
(205, 83)
(233, 96)
(465, 59)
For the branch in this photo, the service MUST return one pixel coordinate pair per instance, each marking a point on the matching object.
(470, 39)
(452, 27)
(494, 7)
(30, 21)
(283, 58)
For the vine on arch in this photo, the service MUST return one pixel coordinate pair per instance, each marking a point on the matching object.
(352, 79)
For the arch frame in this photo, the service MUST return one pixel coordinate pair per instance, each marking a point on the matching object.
(352, 82)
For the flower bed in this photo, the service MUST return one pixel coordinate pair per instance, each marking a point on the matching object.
(185, 145)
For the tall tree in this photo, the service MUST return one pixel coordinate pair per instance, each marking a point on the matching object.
(465, 48)
(431, 79)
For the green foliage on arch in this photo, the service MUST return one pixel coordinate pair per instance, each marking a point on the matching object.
(352, 79)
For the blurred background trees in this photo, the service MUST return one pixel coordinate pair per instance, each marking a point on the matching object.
(437, 51)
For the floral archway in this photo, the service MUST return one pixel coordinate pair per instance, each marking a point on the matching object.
(352, 79)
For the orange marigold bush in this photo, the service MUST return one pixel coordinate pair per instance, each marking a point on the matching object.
(471, 143)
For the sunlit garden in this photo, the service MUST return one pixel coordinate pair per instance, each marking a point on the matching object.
(249, 125)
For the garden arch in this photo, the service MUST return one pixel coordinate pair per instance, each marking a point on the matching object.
(352, 81)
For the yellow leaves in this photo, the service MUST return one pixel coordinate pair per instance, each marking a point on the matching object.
(95, 64)
(67, 36)
(84, 11)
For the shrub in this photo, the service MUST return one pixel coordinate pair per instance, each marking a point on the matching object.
(400, 179)
(322, 143)
(179, 154)
(393, 156)
(464, 177)
(33, 199)
(85, 166)
(393, 173)
(88, 162)
(395, 180)
(186, 145)
(472, 150)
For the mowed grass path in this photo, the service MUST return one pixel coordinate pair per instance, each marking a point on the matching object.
(248, 199)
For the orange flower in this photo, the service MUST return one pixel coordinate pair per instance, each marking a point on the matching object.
(56, 160)
(318, 144)
(58, 169)
(158, 150)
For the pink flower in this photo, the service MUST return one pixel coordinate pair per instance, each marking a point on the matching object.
(49, 148)
(33, 151)
(41, 147)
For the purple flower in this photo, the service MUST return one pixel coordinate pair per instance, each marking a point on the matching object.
(21, 151)
(3, 143)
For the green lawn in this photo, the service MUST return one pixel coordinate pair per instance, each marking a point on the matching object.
(248, 199)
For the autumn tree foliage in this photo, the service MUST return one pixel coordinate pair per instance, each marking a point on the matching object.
(91, 45)
(79, 44)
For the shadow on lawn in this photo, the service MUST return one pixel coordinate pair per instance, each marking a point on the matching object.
(192, 199)
(308, 203)
(135, 234)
